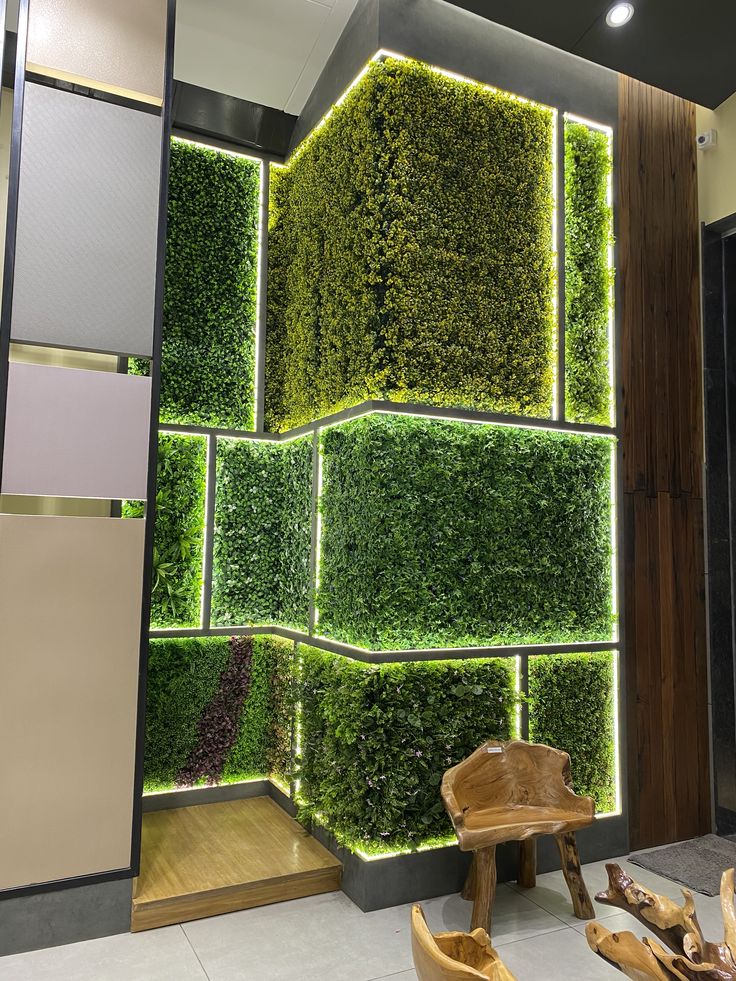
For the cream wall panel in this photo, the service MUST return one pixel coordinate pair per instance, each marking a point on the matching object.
(717, 167)
(114, 45)
(70, 597)
(75, 433)
(85, 265)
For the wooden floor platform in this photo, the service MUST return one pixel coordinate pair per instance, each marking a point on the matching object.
(216, 858)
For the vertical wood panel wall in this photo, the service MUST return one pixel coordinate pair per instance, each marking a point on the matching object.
(662, 444)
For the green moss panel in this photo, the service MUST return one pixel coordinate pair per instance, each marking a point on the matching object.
(410, 252)
(262, 540)
(185, 675)
(572, 708)
(588, 275)
(179, 531)
(376, 741)
(208, 354)
(445, 534)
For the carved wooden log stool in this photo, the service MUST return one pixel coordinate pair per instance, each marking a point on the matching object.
(516, 791)
(454, 956)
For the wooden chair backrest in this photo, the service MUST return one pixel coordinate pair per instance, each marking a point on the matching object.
(517, 772)
(430, 963)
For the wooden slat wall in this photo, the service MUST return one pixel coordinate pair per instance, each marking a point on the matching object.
(662, 444)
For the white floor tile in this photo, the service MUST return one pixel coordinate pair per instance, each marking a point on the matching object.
(156, 955)
(561, 956)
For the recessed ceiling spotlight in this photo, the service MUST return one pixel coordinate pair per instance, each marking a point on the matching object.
(619, 14)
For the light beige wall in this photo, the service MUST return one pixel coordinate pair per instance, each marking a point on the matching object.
(717, 167)
(70, 610)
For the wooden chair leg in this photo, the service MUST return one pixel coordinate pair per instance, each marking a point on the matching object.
(485, 888)
(469, 887)
(527, 877)
(581, 902)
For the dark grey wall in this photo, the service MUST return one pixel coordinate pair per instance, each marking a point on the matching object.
(65, 917)
(462, 42)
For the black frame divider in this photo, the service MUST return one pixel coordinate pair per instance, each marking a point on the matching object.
(166, 125)
(12, 213)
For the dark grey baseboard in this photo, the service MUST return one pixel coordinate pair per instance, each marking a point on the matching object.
(50, 919)
(374, 884)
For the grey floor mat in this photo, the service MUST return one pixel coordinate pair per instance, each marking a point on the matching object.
(697, 864)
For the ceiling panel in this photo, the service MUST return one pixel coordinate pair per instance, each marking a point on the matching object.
(257, 51)
(683, 48)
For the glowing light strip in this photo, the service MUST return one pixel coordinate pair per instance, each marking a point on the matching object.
(517, 688)
(557, 274)
(258, 340)
(601, 127)
(318, 533)
(611, 292)
(205, 533)
(617, 731)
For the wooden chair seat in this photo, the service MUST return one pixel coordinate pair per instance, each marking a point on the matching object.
(516, 822)
(454, 956)
(516, 791)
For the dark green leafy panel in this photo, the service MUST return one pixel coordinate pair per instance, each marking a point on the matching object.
(184, 676)
(179, 534)
(377, 739)
(262, 533)
(263, 745)
(588, 276)
(444, 534)
(410, 252)
(208, 355)
(572, 708)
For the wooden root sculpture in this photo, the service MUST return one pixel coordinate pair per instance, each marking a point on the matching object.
(690, 956)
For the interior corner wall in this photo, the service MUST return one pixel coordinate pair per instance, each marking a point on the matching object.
(662, 445)
(717, 166)
(456, 40)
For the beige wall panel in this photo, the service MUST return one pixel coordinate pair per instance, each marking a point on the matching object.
(70, 596)
(114, 45)
(717, 166)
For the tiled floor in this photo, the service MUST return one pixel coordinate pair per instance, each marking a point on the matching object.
(327, 938)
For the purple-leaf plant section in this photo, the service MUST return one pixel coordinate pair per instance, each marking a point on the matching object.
(219, 726)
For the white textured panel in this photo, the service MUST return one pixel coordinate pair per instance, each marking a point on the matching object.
(70, 609)
(87, 224)
(74, 433)
(113, 45)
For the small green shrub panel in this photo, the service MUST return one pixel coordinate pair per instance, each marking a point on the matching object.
(444, 534)
(572, 708)
(208, 354)
(263, 515)
(588, 276)
(410, 253)
(179, 535)
(375, 740)
(209, 714)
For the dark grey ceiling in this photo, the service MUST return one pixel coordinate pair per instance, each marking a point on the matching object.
(685, 46)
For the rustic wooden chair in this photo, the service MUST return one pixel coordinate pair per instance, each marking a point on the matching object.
(453, 956)
(516, 791)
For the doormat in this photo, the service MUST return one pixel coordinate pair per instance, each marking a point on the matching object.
(697, 864)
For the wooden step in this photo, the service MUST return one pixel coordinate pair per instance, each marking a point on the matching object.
(217, 858)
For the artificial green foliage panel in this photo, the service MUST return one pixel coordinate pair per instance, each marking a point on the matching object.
(262, 541)
(376, 740)
(588, 276)
(410, 253)
(185, 677)
(179, 535)
(444, 534)
(572, 708)
(208, 354)
(263, 745)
